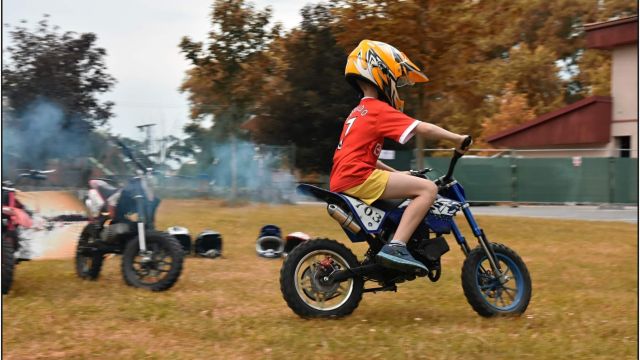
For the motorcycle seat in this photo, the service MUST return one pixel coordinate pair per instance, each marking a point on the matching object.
(104, 189)
(387, 204)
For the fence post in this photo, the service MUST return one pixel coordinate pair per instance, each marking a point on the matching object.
(611, 178)
(514, 177)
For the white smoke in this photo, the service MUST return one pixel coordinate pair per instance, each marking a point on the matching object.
(41, 132)
(253, 172)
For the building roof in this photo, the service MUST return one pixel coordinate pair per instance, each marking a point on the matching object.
(584, 122)
(612, 33)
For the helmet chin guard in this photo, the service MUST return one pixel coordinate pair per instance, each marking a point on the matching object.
(270, 243)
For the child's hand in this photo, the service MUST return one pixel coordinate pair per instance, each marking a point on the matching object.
(464, 144)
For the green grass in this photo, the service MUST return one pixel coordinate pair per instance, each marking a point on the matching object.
(584, 303)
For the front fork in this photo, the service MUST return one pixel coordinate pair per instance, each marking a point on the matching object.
(482, 240)
(142, 241)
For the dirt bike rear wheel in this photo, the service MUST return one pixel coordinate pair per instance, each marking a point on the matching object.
(486, 293)
(8, 263)
(159, 269)
(302, 280)
(88, 260)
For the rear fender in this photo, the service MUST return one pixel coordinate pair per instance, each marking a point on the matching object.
(373, 217)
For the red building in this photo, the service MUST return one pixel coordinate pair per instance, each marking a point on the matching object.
(596, 126)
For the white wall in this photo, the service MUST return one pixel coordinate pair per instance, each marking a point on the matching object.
(624, 90)
(624, 82)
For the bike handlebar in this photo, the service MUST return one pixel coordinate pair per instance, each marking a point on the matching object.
(457, 155)
(36, 174)
(129, 154)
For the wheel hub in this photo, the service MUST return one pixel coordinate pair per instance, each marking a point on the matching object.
(321, 281)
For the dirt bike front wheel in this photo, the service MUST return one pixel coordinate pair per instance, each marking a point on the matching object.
(159, 268)
(305, 282)
(490, 295)
(88, 259)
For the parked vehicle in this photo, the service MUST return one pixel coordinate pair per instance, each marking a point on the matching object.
(150, 259)
(15, 218)
(323, 278)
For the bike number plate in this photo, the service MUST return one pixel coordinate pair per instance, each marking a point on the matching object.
(370, 216)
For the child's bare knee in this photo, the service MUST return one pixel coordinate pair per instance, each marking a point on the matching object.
(429, 190)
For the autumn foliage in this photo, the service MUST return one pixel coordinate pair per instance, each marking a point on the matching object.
(492, 65)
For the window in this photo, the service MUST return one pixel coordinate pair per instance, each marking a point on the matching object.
(623, 143)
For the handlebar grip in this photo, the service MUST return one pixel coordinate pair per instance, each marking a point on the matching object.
(464, 146)
(457, 155)
(466, 143)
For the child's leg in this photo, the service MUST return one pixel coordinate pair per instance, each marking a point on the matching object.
(422, 191)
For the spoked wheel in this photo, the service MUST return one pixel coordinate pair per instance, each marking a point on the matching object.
(88, 259)
(158, 268)
(305, 282)
(492, 295)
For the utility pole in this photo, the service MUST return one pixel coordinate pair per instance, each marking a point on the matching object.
(421, 112)
(147, 141)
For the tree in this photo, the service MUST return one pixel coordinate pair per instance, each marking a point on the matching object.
(307, 107)
(472, 49)
(512, 110)
(221, 83)
(50, 85)
(66, 69)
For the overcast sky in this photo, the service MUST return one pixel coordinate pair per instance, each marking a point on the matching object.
(141, 39)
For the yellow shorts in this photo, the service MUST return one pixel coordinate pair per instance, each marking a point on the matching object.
(372, 188)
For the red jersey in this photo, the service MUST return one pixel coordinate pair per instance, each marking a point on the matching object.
(361, 141)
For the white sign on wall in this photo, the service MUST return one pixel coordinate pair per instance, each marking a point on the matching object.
(577, 161)
(387, 154)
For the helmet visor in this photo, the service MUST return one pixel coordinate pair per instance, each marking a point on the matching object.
(404, 81)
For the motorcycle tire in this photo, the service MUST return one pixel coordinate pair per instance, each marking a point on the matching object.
(165, 263)
(88, 259)
(302, 275)
(8, 263)
(484, 291)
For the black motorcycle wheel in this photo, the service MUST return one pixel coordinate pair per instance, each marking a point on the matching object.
(159, 269)
(302, 280)
(8, 263)
(88, 259)
(489, 296)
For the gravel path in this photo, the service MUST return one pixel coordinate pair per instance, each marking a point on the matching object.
(575, 212)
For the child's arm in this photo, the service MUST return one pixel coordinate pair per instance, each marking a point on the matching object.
(435, 132)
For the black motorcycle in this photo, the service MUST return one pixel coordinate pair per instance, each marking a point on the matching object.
(150, 259)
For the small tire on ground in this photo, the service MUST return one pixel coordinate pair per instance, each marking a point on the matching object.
(88, 262)
(287, 280)
(159, 240)
(8, 263)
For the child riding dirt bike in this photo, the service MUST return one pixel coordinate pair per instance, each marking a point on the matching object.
(375, 70)
(401, 216)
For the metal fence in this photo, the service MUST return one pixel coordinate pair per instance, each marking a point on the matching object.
(544, 180)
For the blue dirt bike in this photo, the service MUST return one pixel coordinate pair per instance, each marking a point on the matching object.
(322, 278)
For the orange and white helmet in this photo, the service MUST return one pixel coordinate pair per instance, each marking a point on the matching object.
(383, 66)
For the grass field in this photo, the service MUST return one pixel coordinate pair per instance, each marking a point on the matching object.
(584, 305)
